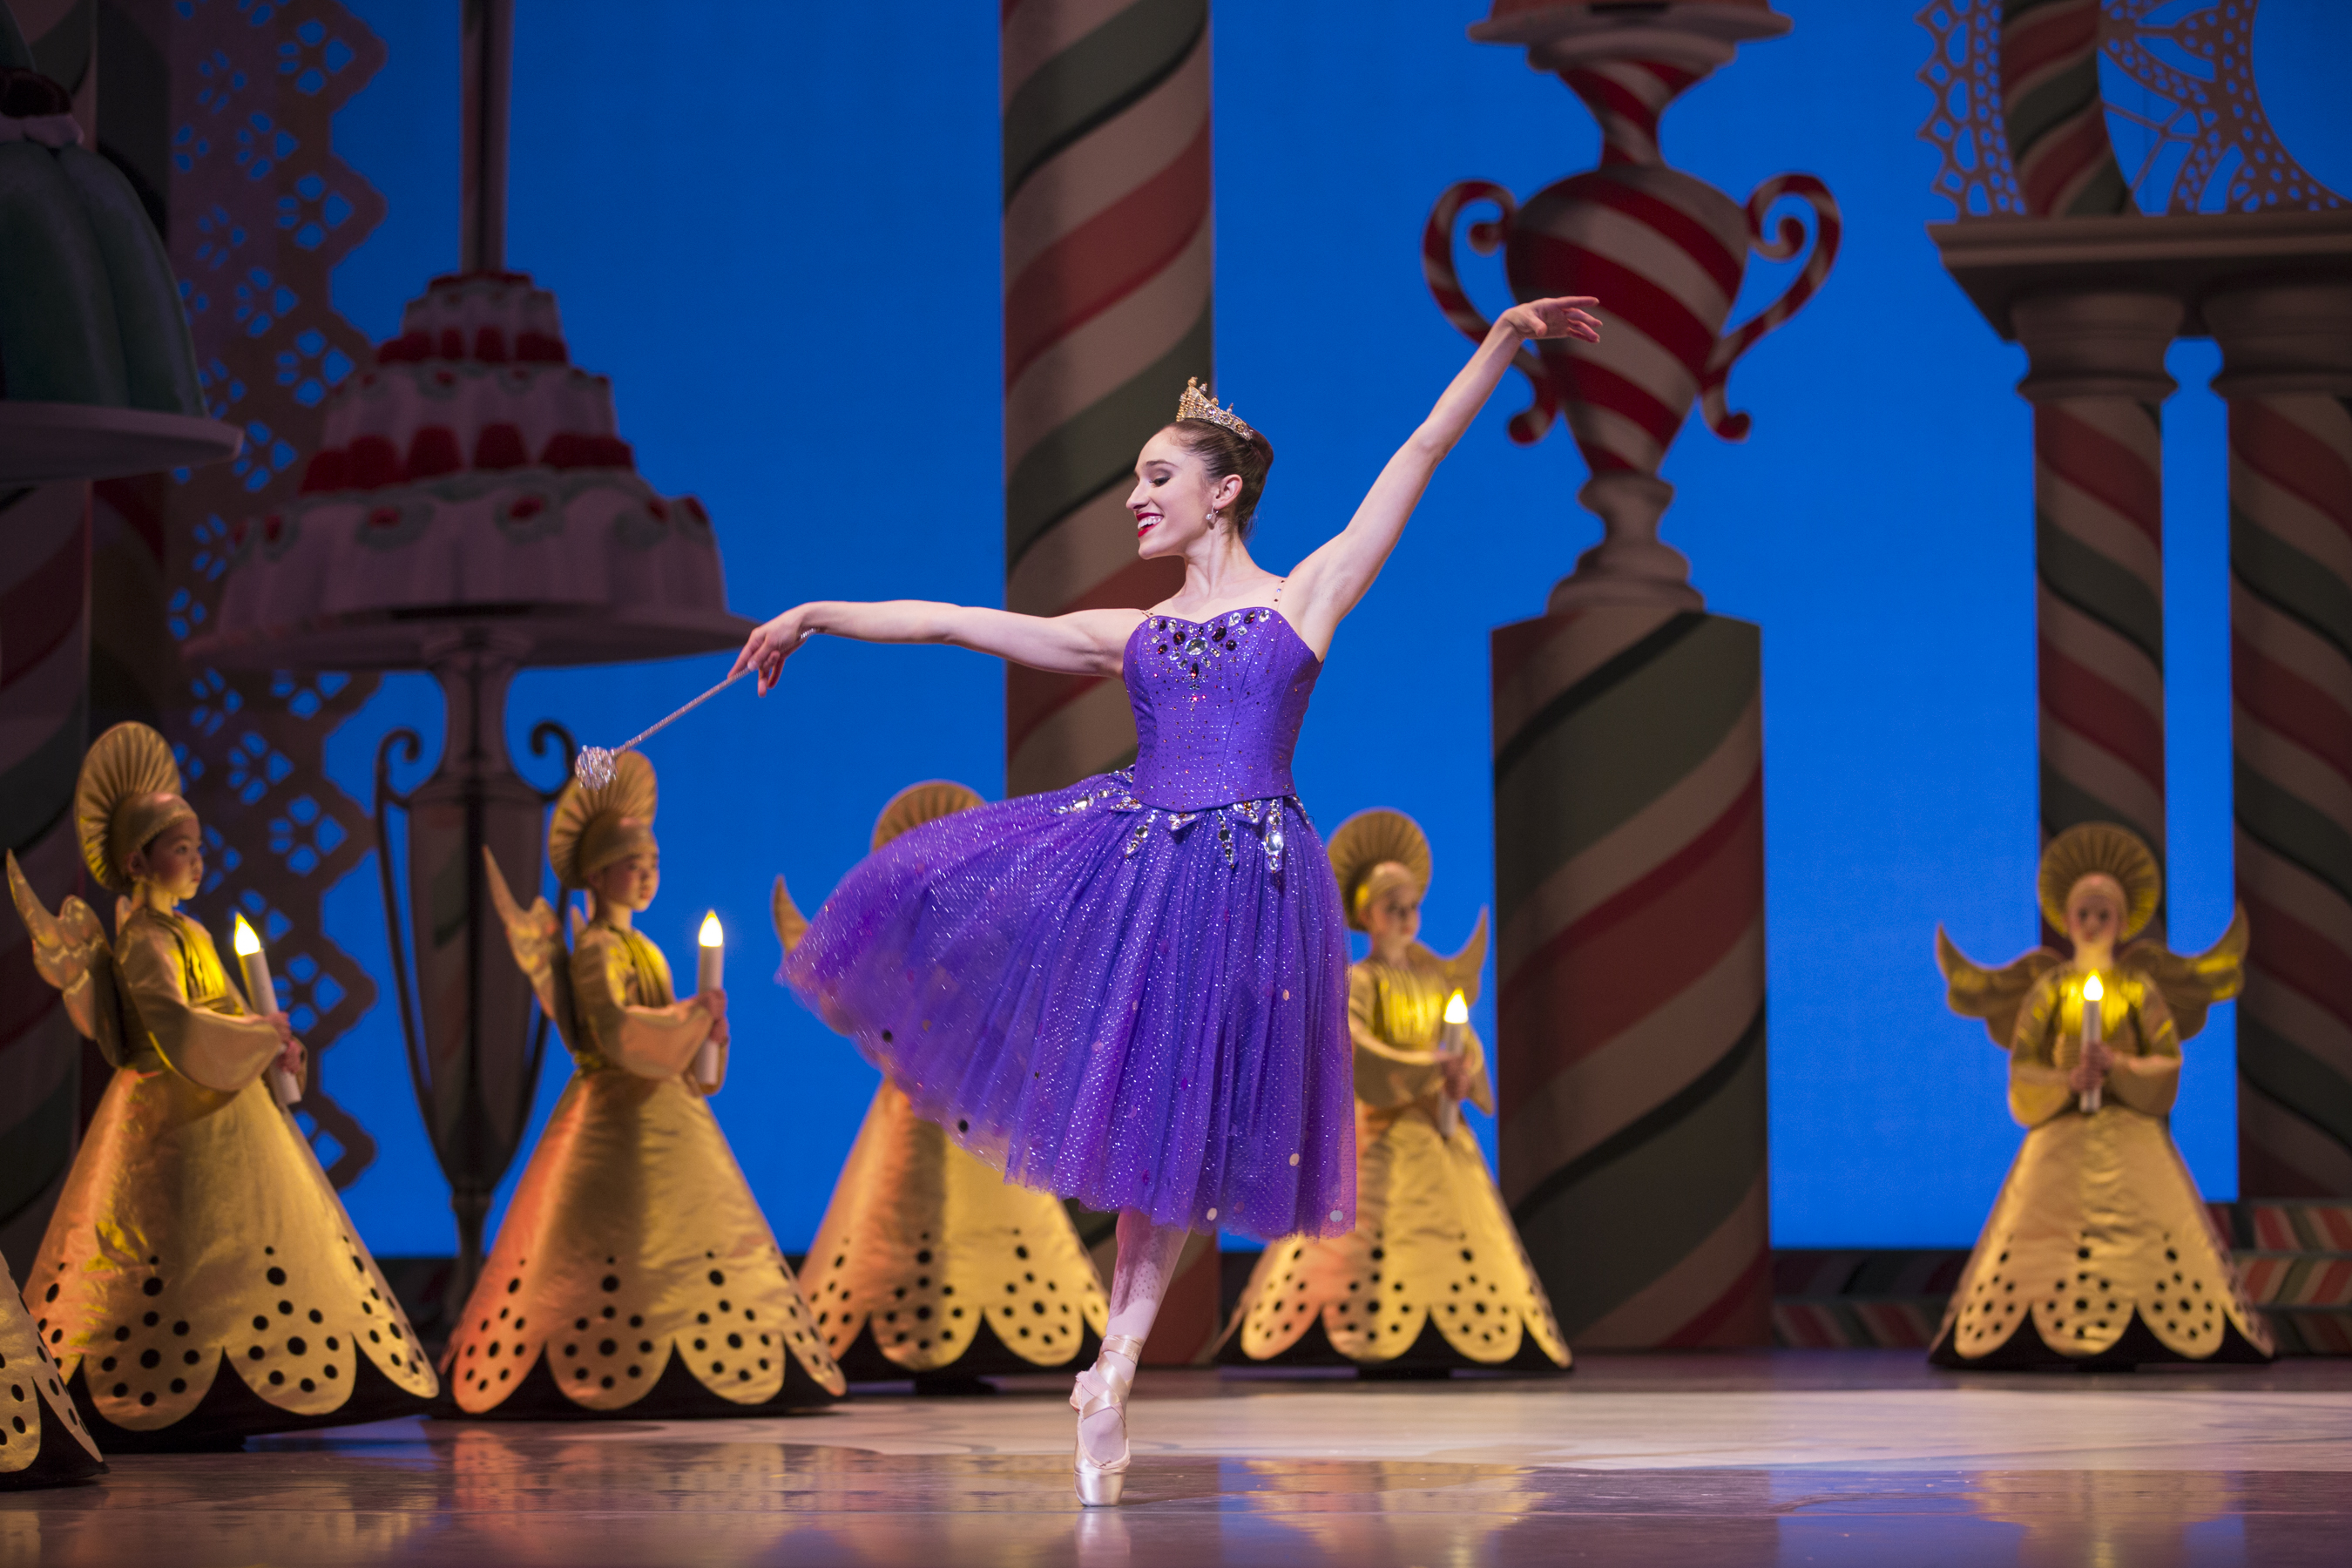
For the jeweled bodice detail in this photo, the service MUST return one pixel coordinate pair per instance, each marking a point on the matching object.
(1218, 704)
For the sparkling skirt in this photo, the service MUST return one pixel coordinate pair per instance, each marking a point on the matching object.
(1135, 1008)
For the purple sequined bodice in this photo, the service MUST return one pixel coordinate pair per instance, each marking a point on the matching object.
(1217, 707)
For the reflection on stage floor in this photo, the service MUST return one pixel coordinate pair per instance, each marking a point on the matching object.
(1829, 1458)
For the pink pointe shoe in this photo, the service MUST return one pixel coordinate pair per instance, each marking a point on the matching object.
(1099, 1485)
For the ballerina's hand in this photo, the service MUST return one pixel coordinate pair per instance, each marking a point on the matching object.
(767, 648)
(1564, 317)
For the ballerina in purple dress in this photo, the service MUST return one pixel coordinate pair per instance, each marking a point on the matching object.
(1133, 991)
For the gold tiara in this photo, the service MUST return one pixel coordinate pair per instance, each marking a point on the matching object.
(1198, 404)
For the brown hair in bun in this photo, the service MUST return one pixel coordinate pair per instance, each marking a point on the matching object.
(1225, 452)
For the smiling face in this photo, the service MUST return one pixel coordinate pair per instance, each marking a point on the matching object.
(630, 882)
(1173, 496)
(172, 862)
(2095, 913)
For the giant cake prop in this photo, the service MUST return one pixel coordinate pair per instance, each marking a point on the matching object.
(475, 473)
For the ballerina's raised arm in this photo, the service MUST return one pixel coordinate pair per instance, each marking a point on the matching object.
(1194, 493)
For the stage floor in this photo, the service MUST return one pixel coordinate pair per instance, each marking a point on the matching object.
(1790, 1456)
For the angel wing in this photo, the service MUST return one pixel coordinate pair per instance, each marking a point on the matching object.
(2191, 983)
(791, 925)
(536, 939)
(1465, 969)
(1992, 994)
(71, 951)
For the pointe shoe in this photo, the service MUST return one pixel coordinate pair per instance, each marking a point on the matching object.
(1099, 1485)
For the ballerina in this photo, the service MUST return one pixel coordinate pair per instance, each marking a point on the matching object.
(1133, 990)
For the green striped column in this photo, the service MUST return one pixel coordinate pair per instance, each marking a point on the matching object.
(1629, 877)
(2096, 380)
(44, 726)
(2286, 370)
(1107, 276)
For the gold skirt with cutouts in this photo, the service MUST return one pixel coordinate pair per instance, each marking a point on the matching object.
(632, 1240)
(2098, 1221)
(1432, 1245)
(198, 1230)
(923, 1243)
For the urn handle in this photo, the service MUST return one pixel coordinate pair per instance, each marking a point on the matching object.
(1528, 425)
(1778, 246)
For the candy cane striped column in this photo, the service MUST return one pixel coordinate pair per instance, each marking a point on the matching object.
(1629, 790)
(44, 727)
(2051, 109)
(2287, 371)
(2096, 379)
(1107, 311)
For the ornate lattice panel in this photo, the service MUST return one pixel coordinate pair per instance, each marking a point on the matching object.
(261, 210)
(2182, 107)
(1964, 73)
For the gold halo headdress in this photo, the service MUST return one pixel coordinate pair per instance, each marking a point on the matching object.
(920, 803)
(128, 793)
(594, 826)
(1197, 403)
(1368, 840)
(2101, 850)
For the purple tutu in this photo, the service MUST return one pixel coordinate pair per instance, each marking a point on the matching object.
(1132, 992)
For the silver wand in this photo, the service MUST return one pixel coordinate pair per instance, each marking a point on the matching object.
(594, 764)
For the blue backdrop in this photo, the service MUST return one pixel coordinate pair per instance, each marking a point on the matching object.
(774, 227)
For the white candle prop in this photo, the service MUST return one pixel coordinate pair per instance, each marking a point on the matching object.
(710, 971)
(260, 991)
(1457, 1017)
(2092, 1027)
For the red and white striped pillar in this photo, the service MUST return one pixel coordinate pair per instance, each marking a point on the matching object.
(2096, 381)
(1629, 893)
(44, 728)
(1106, 312)
(1108, 268)
(2286, 359)
(2051, 112)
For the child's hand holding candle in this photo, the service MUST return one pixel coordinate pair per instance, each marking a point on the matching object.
(285, 1075)
(710, 983)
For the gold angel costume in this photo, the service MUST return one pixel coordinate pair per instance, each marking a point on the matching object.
(928, 1262)
(635, 1272)
(42, 1442)
(2098, 1245)
(196, 1227)
(1434, 1276)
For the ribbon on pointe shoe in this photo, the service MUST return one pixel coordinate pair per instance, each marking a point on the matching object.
(1099, 1485)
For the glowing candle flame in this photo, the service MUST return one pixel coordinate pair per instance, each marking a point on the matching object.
(2093, 990)
(245, 940)
(711, 935)
(1458, 1011)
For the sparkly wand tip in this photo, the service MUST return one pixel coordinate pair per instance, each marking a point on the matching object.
(594, 767)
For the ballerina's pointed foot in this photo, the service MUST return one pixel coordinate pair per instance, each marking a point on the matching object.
(1102, 1389)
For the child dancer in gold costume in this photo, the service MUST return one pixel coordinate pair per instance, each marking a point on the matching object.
(2099, 1249)
(196, 1227)
(635, 1272)
(1434, 1276)
(929, 1261)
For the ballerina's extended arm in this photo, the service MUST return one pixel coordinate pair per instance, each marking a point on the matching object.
(1322, 590)
(1325, 587)
(1084, 642)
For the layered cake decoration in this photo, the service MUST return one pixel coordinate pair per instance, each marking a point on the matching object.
(475, 465)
